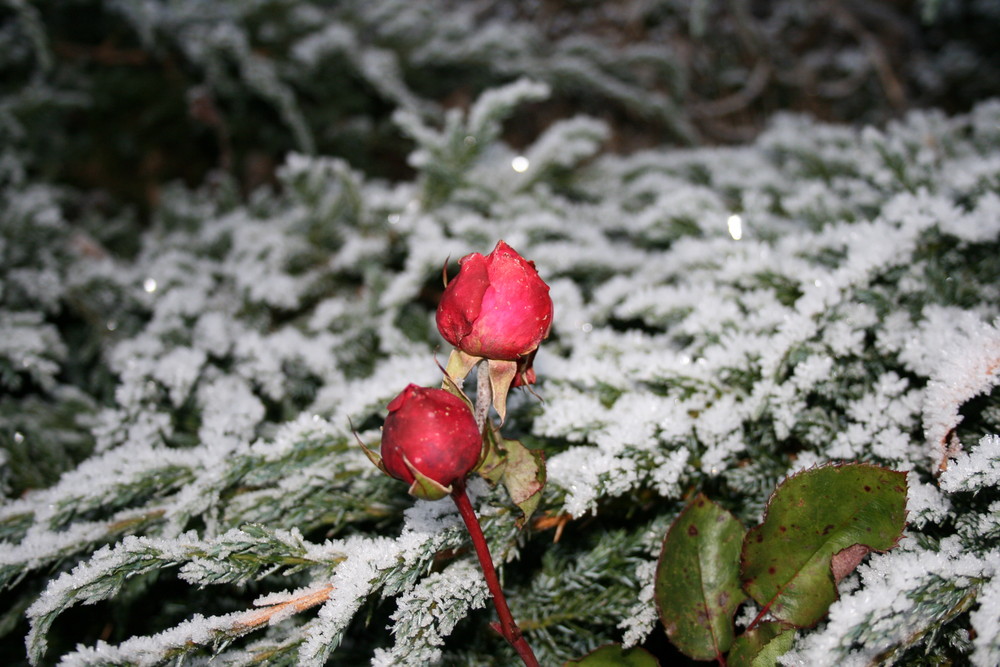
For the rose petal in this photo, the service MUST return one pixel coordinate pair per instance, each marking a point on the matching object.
(462, 299)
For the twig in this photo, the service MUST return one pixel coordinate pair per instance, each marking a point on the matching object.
(301, 603)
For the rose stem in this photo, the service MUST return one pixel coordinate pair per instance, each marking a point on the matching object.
(508, 628)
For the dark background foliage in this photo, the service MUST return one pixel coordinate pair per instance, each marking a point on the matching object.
(104, 107)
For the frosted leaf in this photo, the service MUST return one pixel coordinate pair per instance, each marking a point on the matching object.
(229, 408)
(178, 370)
(494, 103)
(333, 38)
(567, 142)
(974, 470)
(151, 650)
(585, 474)
(633, 422)
(901, 593)
(720, 420)
(570, 413)
(982, 224)
(970, 367)
(30, 346)
(668, 471)
(215, 332)
(429, 612)
(985, 620)
(642, 619)
(924, 502)
(810, 372)
(722, 454)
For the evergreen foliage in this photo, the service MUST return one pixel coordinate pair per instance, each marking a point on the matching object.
(180, 379)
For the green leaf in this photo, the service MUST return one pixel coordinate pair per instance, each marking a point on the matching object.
(492, 461)
(810, 518)
(521, 470)
(761, 646)
(613, 655)
(524, 477)
(697, 579)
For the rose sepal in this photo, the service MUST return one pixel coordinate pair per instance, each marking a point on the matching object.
(372, 456)
(424, 487)
(502, 374)
(459, 366)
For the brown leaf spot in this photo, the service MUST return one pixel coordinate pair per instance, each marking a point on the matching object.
(692, 530)
(723, 599)
(827, 528)
(845, 560)
(771, 570)
(868, 489)
(783, 529)
(760, 538)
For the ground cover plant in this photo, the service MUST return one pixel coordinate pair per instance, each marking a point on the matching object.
(185, 380)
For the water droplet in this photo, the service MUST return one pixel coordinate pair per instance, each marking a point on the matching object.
(112, 325)
(18, 437)
(470, 140)
(393, 218)
(587, 327)
(149, 284)
(735, 224)
(520, 164)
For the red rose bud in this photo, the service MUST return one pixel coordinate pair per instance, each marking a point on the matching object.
(497, 307)
(430, 439)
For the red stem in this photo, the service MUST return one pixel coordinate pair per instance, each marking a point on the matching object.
(508, 628)
(759, 616)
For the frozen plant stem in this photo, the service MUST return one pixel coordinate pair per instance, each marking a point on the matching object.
(484, 394)
(507, 627)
